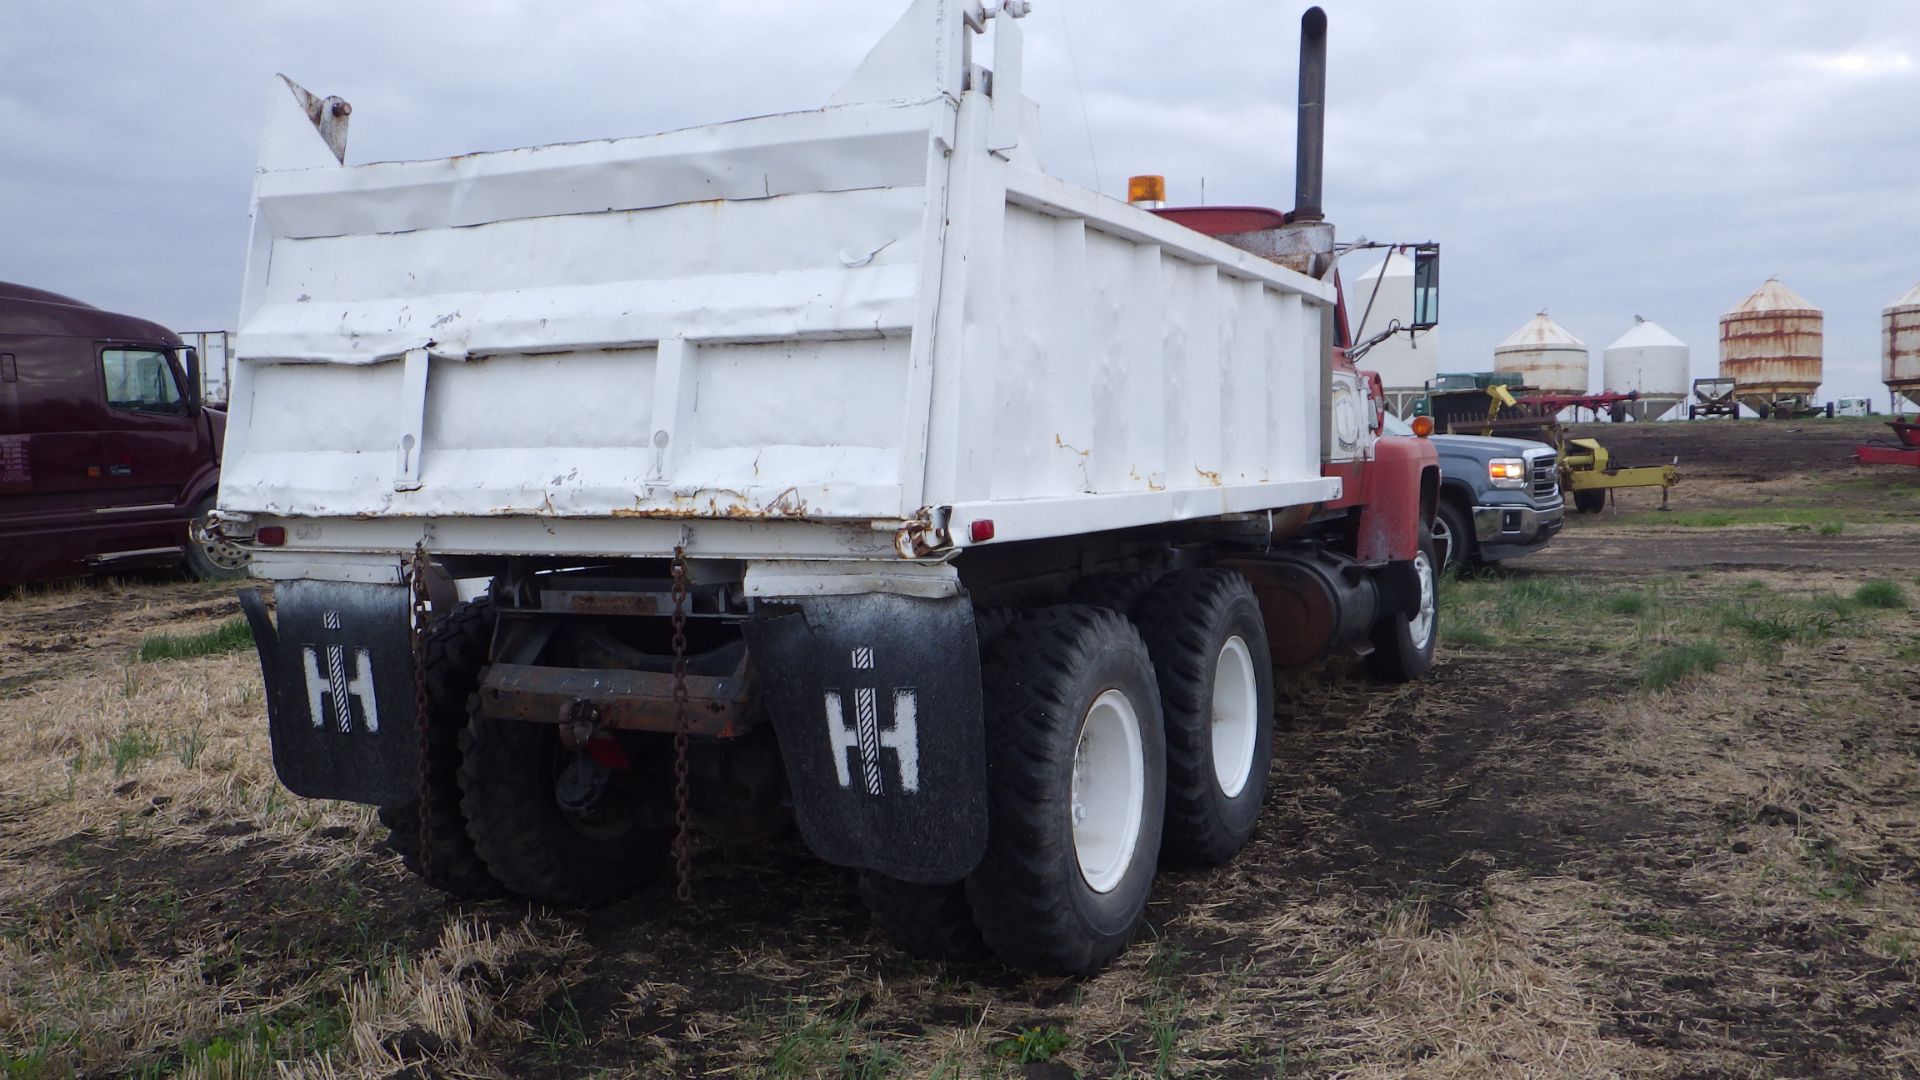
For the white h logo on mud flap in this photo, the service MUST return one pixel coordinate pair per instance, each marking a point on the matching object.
(335, 687)
(865, 736)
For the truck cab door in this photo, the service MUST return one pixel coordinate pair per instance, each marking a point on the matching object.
(150, 447)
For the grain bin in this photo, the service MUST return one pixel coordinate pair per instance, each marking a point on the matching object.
(1651, 361)
(1900, 346)
(1406, 362)
(1547, 358)
(1770, 346)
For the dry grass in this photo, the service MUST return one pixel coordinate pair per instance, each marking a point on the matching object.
(1528, 868)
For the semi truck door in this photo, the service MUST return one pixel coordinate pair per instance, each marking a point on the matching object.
(149, 448)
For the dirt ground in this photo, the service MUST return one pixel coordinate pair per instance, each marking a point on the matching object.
(1657, 814)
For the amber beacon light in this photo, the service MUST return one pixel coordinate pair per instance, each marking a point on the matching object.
(1147, 192)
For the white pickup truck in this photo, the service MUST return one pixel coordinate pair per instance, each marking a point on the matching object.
(840, 466)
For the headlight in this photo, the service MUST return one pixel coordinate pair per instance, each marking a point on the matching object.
(1507, 472)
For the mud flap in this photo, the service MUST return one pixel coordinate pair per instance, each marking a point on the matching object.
(339, 676)
(876, 702)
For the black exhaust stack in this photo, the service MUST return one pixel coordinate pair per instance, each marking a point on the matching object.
(1310, 131)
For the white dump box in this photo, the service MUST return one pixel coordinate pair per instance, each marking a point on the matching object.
(880, 316)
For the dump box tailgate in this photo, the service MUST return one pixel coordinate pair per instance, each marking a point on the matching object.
(709, 322)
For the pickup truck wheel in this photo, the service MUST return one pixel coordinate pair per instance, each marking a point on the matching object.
(1208, 641)
(535, 847)
(456, 648)
(216, 561)
(933, 922)
(1591, 501)
(1403, 644)
(1455, 547)
(1076, 795)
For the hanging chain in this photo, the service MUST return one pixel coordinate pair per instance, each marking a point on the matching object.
(422, 709)
(682, 840)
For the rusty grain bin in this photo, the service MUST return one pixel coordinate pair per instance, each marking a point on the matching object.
(1770, 346)
(1651, 361)
(1545, 356)
(1900, 346)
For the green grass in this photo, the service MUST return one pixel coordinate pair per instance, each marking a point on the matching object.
(1795, 622)
(1676, 662)
(1626, 603)
(230, 636)
(131, 747)
(1456, 631)
(1827, 520)
(1882, 595)
(1033, 1044)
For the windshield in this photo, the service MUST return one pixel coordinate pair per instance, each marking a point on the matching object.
(1393, 425)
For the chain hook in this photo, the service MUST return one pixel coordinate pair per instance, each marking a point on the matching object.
(682, 841)
(416, 573)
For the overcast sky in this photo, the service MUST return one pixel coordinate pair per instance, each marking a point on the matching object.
(1596, 160)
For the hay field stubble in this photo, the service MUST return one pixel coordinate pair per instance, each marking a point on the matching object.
(1539, 863)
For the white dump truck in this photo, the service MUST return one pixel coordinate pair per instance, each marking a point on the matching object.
(840, 467)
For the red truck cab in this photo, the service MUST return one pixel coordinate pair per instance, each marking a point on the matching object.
(106, 451)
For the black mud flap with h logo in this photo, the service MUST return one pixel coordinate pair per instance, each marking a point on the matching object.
(339, 675)
(876, 701)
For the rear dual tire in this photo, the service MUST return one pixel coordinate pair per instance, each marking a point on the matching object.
(533, 846)
(443, 854)
(1076, 767)
(1208, 641)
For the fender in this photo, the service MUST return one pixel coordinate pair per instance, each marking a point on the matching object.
(877, 704)
(1402, 492)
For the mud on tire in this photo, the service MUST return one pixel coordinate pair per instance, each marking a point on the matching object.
(1208, 641)
(456, 649)
(1060, 685)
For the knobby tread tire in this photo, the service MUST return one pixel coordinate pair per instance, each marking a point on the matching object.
(1186, 620)
(1029, 899)
(1395, 657)
(1113, 591)
(456, 650)
(507, 773)
(932, 922)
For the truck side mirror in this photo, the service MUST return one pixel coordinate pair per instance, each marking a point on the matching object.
(189, 358)
(1426, 286)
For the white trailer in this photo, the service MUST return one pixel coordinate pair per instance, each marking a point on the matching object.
(850, 425)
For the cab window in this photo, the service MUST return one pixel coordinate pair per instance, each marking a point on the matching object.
(141, 380)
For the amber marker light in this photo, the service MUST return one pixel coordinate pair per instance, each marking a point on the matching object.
(1423, 426)
(1147, 192)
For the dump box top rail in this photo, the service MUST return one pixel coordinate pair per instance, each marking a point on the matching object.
(878, 312)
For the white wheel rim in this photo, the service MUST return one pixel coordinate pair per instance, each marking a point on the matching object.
(1236, 720)
(1443, 539)
(1420, 627)
(1109, 790)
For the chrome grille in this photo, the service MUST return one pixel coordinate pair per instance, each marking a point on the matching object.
(1546, 476)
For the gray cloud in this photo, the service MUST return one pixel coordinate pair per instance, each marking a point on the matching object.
(1600, 161)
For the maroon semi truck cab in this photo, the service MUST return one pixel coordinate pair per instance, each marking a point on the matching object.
(106, 452)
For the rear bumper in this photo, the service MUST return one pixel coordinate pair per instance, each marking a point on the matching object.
(1507, 531)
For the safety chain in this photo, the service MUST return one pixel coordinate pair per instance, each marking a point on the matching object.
(422, 709)
(682, 839)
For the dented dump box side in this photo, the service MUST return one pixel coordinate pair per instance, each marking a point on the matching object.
(881, 315)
